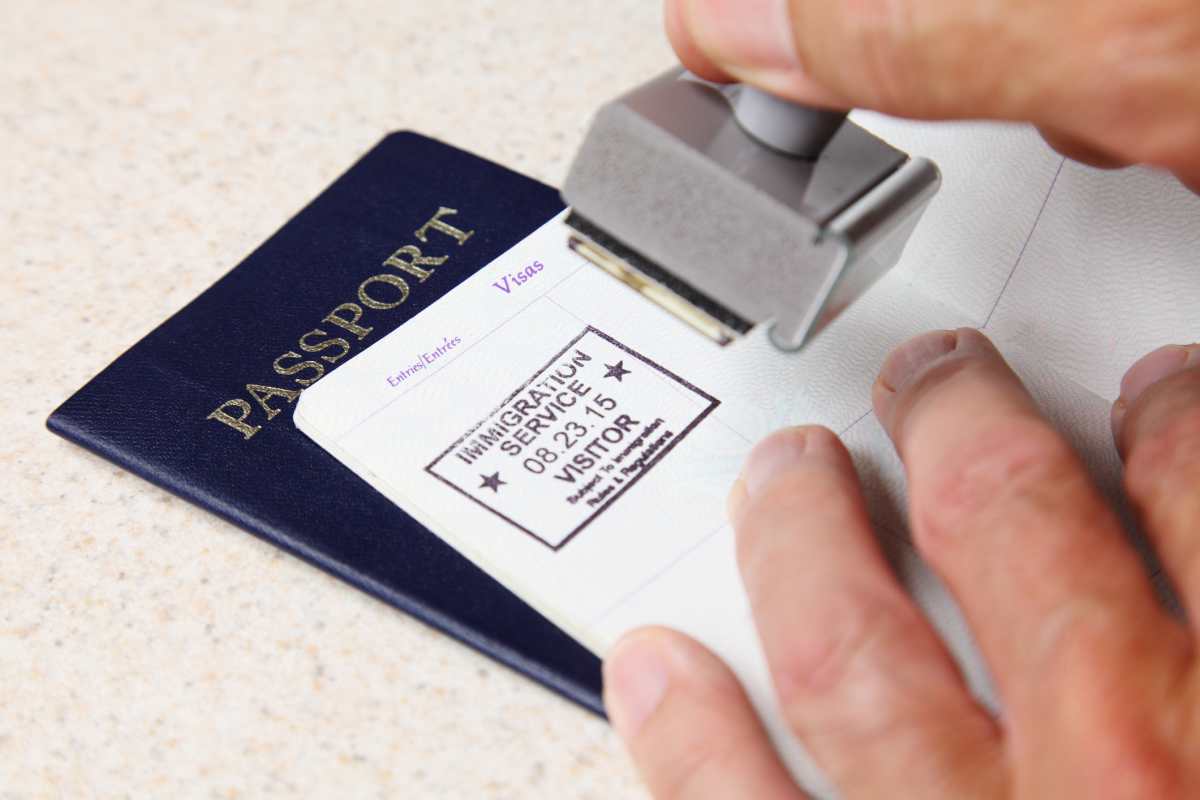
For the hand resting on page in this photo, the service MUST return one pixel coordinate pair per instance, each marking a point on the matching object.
(1100, 685)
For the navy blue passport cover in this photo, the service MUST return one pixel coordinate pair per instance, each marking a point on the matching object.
(151, 410)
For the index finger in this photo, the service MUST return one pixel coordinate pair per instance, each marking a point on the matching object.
(1004, 510)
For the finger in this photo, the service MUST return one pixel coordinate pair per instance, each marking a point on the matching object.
(1077, 150)
(862, 678)
(1190, 179)
(687, 723)
(911, 57)
(1156, 423)
(748, 42)
(685, 46)
(1004, 510)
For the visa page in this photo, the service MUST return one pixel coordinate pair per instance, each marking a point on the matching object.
(578, 443)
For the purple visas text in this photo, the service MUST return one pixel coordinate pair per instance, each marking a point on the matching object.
(424, 360)
(512, 280)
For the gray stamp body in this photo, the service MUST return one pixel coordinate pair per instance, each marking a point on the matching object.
(673, 195)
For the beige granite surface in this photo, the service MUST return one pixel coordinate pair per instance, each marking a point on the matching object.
(146, 648)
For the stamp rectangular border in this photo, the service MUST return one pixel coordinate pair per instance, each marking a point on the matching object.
(712, 404)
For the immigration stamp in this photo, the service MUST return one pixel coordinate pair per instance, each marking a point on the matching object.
(566, 444)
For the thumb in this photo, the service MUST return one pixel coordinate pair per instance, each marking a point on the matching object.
(916, 58)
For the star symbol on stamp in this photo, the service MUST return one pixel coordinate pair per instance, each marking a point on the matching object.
(492, 482)
(617, 371)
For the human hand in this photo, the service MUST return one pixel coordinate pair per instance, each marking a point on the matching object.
(1100, 686)
(1109, 82)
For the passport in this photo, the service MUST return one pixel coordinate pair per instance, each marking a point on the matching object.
(202, 406)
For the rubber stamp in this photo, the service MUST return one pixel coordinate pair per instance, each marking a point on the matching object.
(730, 208)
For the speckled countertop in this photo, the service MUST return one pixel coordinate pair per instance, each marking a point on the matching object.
(146, 648)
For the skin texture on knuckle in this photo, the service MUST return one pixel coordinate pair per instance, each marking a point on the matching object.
(846, 659)
(1074, 648)
(873, 697)
(1016, 470)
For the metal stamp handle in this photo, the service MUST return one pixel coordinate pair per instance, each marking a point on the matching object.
(788, 127)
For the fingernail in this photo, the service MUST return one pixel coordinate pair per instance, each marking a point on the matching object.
(1155, 366)
(777, 453)
(909, 360)
(914, 358)
(781, 452)
(635, 681)
(743, 33)
(1147, 371)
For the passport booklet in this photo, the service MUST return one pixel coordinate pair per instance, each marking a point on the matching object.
(202, 405)
(577, 443)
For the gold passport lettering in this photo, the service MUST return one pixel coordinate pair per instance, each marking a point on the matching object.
(415, 261)
(355, 312)
(382, 292)
(422, 233)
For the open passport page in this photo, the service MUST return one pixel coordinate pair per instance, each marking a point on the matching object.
(577, 443)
